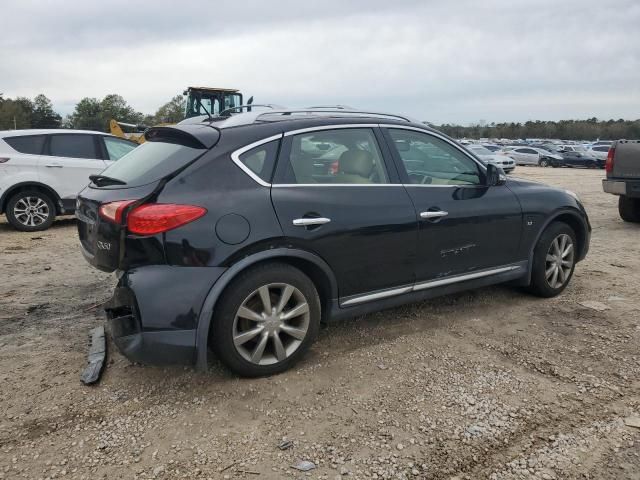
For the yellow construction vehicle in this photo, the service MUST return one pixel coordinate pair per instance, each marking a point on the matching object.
(199, 101)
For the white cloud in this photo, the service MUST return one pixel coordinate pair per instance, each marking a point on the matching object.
(439, 61)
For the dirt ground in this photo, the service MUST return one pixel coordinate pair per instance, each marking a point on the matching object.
(491, 383)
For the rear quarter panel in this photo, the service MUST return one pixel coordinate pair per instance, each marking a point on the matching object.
(240, 218)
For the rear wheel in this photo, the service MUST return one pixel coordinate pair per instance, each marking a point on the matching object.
(266, 320)
(629, 209)
(30, 211)
(553, 260)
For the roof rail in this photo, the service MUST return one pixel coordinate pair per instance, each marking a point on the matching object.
(239, 108)
(332, 109)
(337, 107)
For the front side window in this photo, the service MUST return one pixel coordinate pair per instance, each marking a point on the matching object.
(431, 160)
(30, 144)
(73, 146)
(117, 148)
(340, 156)
(261, 160)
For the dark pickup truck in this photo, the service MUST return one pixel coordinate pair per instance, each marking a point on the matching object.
(623, 177)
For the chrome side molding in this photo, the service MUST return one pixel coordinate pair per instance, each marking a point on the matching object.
(368, 297)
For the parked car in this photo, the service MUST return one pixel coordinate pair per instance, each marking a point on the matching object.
(623, 178)
(578, 156)
(494, 148)
(533, 156)
(504, 162)
(599, 151)
(42, 171)
(225, 236)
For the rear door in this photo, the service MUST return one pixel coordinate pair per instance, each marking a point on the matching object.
(355, 215)
(464, 226)
(527, 156)
(68, 160)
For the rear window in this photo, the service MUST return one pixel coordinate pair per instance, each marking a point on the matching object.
(30, 144)
(150, 162)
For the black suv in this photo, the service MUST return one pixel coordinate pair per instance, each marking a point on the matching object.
(242, 234)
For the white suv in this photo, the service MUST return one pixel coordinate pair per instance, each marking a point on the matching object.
(42, 171)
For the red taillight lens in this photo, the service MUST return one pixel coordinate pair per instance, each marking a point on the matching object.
(154, 218)
(608, 166)
(113, 211)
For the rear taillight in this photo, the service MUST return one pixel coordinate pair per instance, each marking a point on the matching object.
(113, 211)
(608, 166)
(154, 218)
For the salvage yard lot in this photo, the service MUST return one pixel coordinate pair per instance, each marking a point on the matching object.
(491, 383)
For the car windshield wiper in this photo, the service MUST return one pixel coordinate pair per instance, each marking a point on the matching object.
(103, 180)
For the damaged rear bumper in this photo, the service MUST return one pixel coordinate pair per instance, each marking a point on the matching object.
(152, 315)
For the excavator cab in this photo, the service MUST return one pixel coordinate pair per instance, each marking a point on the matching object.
(210, 101)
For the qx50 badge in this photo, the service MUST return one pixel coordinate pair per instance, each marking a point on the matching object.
(104, 246)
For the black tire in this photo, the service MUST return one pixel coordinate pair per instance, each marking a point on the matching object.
(236, 294)
(592, 164)
(629, 209)
(34, 222)
(543, 162)
(539, 285)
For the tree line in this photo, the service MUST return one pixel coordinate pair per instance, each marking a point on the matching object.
(589, 129)
(95, 114)
(88, 114)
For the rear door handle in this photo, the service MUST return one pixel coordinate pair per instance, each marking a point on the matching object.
(305, 222)
(436, 214)
(53, 165)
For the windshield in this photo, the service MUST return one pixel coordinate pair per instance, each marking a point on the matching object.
(150, 162)
(478, 150)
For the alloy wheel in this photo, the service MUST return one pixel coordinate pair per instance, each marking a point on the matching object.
(31, 211)
(271, 324)
(559, 261)
(544, 163)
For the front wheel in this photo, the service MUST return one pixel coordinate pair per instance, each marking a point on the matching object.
(543, 162)
(629, 209)
(30, 211)
(553, 260)
(266, 320)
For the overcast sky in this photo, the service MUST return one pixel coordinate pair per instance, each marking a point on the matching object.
(442, 61)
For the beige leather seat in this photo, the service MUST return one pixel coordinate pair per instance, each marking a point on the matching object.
(355, 166)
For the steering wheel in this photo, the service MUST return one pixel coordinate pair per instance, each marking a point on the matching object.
(419, 178)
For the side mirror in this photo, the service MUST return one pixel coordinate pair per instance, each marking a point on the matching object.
(495, 176)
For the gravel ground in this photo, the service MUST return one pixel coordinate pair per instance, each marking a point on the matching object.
(491, 383)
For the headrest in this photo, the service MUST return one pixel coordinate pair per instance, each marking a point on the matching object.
(356, 162)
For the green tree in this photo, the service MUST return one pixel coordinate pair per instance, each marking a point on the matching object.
(43, 115)
(15, 113)
(172, 111)
(94, 114)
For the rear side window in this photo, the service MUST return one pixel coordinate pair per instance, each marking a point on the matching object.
(341, 156)
(261, 160)
(73, 146)
(116, 148)
(151, 161)
(601, 149)
(30, 144)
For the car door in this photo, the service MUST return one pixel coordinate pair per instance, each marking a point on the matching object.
(68, 161)
(356, 215)
(464, 225)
